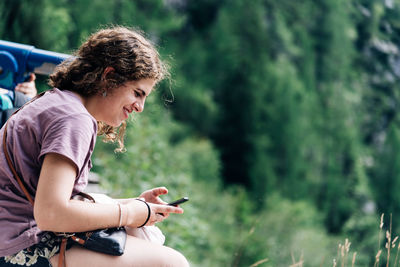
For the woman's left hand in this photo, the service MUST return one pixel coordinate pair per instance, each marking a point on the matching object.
(152, 195)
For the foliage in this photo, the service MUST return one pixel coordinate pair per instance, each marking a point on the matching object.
(288, 235)
(283, 129)
(387, 176)
(189, 167)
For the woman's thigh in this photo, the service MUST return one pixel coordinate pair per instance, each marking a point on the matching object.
(138, 253)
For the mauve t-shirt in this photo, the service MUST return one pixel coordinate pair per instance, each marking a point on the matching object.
(59, 123)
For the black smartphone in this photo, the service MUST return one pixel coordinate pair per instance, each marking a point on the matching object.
(179, 201)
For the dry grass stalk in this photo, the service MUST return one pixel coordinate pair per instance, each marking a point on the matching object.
(243, 243)
(381, 224)
(397, 254)
(394, 241)
(339, 250)
(354, 259)
(376, 264)
(340, 258)
(346, 250)
(343, 252)
(259, 262)
(298, 264)
(388, 246)
(322, 261)
(293, 260)
(377, 258)
(389, 241)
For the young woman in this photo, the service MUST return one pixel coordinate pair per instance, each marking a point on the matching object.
(50, 142)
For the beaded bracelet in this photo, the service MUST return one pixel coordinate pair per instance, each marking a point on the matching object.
(148, 214)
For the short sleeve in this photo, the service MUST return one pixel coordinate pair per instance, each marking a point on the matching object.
(71, 136)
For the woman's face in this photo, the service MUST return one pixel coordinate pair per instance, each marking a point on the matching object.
(115, 107)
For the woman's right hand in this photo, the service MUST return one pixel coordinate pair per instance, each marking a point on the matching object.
(135, 212)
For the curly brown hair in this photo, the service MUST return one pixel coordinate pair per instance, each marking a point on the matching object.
(127, 51)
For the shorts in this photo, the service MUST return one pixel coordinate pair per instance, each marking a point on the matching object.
(37, 255)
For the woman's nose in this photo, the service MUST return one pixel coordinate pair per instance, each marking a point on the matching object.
(138, 106)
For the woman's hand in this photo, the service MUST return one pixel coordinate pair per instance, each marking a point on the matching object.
(138, 212)
(159, 212)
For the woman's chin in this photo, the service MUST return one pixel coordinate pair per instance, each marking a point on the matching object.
(117, 124)
(113, 123)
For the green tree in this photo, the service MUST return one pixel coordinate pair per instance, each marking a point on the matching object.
(386, 178)
(377, 24)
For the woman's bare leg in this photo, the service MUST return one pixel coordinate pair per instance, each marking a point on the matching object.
(138, 253)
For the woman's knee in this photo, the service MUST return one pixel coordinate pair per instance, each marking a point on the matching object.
(177, 259)
(144, 253)
(168, 257)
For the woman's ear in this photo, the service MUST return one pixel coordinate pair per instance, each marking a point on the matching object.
(107, 70)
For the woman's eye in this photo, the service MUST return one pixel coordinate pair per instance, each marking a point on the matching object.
(137, 94)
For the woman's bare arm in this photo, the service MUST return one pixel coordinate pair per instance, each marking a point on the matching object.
(55, 211)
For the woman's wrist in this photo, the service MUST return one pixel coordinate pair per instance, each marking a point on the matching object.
(135, 213)
(148, 212)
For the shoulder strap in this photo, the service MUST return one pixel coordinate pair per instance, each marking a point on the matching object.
(9, 162)
(21, 184)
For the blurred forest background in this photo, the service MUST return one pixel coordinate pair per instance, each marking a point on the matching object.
(280, 123)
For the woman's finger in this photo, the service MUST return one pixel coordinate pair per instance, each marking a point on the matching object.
(160, 218)
(168, 209)
(159, 191)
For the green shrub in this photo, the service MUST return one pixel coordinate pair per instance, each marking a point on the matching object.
(187, 167)
(287, 232)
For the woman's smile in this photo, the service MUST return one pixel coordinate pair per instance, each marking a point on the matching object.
(127, 112)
